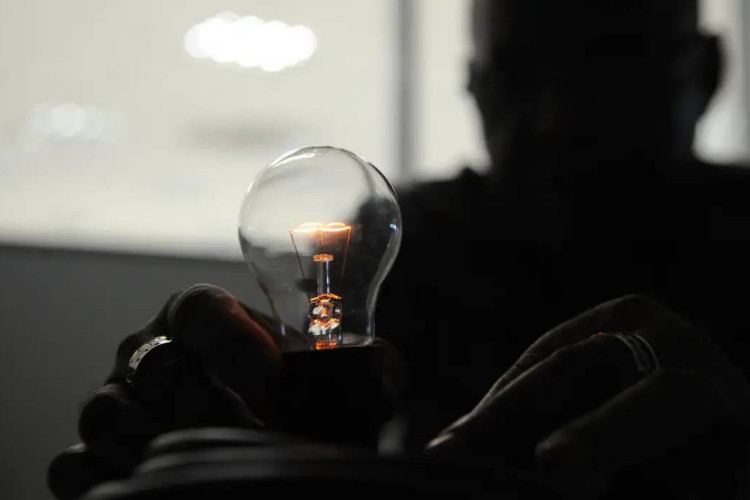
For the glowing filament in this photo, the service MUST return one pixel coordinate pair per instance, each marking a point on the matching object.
(330, 245)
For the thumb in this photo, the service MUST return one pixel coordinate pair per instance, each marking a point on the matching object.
(212, 324)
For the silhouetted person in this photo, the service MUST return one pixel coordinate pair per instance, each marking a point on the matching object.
(588, 109)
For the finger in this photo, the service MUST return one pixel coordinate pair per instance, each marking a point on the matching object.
(210, 323)
(76, 470)
(680, 346)
(172, 390)
(625, 314)
(670, 409)
(394, 368)
(115, 427)
(266, 323)
(574, 379)
(156, 326)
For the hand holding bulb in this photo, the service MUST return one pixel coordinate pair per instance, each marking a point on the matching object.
(220, 369)
(320, 227)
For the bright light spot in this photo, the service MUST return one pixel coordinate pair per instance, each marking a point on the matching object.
(250, 42)
(227, 16)
(192, 43)
(249, 35)
(66, 121)
(304, 41)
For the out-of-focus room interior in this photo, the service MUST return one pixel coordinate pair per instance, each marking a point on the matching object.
(129, 132)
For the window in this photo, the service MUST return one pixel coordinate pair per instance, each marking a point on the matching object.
(113, 135)
(447, 128)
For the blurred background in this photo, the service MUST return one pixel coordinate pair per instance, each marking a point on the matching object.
(129, 132)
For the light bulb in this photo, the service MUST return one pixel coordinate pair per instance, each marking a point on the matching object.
(320, 227)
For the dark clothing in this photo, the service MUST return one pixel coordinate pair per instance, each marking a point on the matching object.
(487, 267)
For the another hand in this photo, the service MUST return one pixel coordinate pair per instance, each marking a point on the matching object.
(219, 370)
(575, 410)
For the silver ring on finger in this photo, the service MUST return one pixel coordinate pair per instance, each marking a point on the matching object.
(140, 353)
(643, 352)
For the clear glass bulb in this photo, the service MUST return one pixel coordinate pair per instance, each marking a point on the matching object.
(320, 227)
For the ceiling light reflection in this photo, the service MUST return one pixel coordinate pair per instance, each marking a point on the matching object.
(250, 42)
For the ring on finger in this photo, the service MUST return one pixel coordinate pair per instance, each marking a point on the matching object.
(140, 353)
(643, 353)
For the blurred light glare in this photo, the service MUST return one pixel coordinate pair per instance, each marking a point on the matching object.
(193, 45)
(305, 42)
(214, 38)
(66, 121)
(227, 16)
(250, 42)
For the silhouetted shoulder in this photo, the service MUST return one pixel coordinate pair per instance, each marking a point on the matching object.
(434, 202)
(724, 190)
(434, 215)
(708, 175)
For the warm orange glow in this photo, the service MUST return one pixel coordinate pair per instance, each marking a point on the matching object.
(326, 344)
(325, 242)
(331, 238)
(327, 296)
(312, 227)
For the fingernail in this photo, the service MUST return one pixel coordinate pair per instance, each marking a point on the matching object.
(447, 445)
(194, 303)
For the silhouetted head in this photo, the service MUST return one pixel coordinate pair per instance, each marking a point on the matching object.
(603, 80)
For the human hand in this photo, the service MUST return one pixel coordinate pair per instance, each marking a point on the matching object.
(220, 369)
(577, 412)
